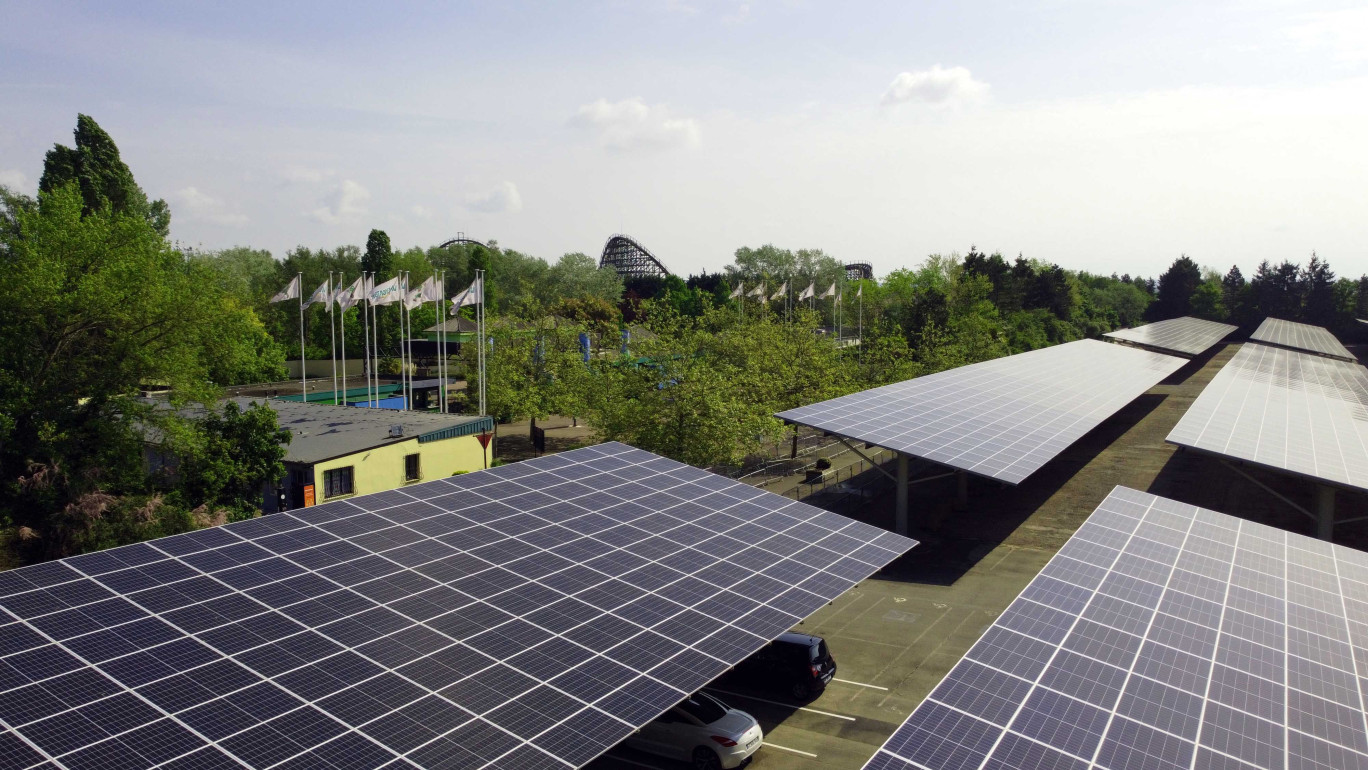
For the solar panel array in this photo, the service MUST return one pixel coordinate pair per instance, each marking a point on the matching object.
(1285, 410)
(1290, 334)
(1164, 637)
(1002, 418)
(1184, 335)
(528, 616)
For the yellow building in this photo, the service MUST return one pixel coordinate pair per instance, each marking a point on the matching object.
(341, 451)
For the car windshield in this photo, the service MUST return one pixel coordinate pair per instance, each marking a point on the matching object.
(704, 708)
(819, 650)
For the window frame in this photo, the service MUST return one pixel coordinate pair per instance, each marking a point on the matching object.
(417, 474)
(348, 472)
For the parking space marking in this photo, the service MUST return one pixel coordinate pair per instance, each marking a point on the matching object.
(626, 761)
(783, 705)
(859, 684)
(786, 748)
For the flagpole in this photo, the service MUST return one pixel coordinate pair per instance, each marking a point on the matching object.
(365, 337)
(332, 330)
(375, 343)
(860, 333)
(441, 315)
(403, 367)
(342, 321)
(484, 354)
(407, 347)
(303, 375)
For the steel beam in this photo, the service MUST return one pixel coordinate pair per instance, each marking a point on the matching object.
(900, 510)
(1325, 512)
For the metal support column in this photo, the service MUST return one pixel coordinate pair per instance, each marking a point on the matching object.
(1325, 512)
(961, 490)
(900, 511)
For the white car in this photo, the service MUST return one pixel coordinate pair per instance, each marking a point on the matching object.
(702, 730)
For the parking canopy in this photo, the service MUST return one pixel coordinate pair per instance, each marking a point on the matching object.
(1003, 418)
(527, 616)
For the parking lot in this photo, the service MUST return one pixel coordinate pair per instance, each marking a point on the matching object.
(896, 635)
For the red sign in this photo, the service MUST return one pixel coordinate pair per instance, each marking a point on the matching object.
(308, 495)
(484, 439)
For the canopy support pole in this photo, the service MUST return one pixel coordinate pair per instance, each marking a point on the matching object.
(900, 512)
(1325, 510)
(961, 490)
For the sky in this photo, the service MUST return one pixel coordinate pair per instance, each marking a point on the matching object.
(1107, 135)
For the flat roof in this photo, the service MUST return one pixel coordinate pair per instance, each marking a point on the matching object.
(1187, 335)
(1283, 409)
(1002, 418)
(323, 431)
(1297, 336)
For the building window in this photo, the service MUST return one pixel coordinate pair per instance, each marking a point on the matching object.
(411, 469)
(338, 481)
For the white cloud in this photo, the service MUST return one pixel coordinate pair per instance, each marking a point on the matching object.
(347, 200)
(202, 207)
(15, 180)
(503, 198)
(740, 16)
(633, 125)
(421, 211)
(1342, 33)
(952, 86)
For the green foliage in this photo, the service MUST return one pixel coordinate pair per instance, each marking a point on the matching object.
(379, 256)
(1176, 287)
(105, 181)
(1208, 302)
(224, 459)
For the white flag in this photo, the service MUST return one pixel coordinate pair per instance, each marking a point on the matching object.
(289, 292)
(386, 293)
(430, 290)
(831, 292)
(414, 298)
(473, 295)
(860, 291)
(738, 291)
(349, 297)
(807, 293)
(783, 290)
(758, 291)
(322, 294)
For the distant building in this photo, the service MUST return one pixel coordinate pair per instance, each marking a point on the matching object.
(340, 451)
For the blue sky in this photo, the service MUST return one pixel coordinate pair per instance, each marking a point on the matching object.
(1107, 136)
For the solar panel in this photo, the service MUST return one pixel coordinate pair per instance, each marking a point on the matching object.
(1183, 335)
(1166, 637)
(528, 616)
(1285, 410)
(1290, 334)
(1002, 418)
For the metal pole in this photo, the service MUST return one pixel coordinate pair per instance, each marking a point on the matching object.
(303, 374)
(365, 336)
(342, 321)
(962, 489)
(405, 379)
(1325, 512)
(900, 509)
(441, 316)
(375, 346)
(332, 329)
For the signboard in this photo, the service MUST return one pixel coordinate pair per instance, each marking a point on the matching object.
(308, 495)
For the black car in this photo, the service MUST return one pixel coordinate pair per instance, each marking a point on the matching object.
(798, 664)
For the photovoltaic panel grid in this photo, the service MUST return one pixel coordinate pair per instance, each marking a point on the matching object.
(1164, 637)
(528, 616)
(1184, 335)
(1286, 410)
(1290, 334)
(1002, 418)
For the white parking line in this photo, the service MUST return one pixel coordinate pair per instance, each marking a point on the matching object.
(859, 684)
(783, 705)
(786, 748)
(626, 761)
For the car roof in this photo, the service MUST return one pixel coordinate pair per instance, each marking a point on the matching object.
(805, 640)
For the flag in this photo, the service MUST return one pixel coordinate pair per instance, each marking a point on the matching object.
(322, 294)
(758, 291)
(473, 295)
(289, 292)
(352, 295)
(831, 292)
(386, 293)
(738, 291)
(431, 291)
(783, 290)
(860, 291)
(807, 293)
(344, 300)
(418, 296)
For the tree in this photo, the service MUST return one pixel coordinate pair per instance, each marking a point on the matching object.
(1317, 283)
(225, 459)
(105, 181)
(1207, 302)
(1176, 286)
(93, 307)
(379, 256)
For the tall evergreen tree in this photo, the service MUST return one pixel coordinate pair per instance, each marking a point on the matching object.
(1318, 292)
(1176, 287)
(105, 180)
(379, 256)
